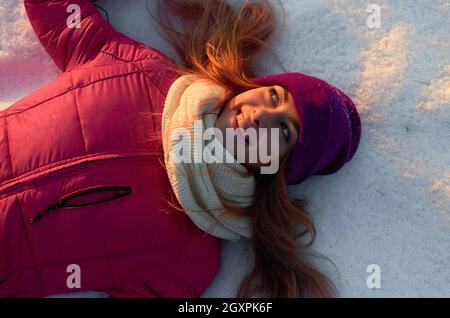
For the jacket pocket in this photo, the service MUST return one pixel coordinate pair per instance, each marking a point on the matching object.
(140, 222)
(84, 197)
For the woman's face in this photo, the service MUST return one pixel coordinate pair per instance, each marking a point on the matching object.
(264, 107)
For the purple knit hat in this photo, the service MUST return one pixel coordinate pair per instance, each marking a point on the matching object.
(329, 125)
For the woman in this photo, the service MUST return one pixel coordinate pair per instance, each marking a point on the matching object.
(90, 194)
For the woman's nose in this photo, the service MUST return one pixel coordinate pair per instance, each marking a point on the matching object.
(265, 118)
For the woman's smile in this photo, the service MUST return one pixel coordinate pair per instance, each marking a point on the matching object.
(237, 120)
(234, 119)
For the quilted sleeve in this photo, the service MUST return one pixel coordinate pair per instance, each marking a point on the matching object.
(67, 42)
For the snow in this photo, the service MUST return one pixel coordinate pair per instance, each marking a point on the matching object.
(390, 205)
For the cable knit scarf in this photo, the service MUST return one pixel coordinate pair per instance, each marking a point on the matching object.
(202, 187)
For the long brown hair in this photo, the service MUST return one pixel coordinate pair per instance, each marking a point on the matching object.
(219, 42)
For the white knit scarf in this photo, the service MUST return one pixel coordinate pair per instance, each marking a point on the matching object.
(202, 187)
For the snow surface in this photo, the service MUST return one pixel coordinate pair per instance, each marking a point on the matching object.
(391, 204)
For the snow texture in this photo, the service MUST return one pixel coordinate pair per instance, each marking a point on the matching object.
(390, 205)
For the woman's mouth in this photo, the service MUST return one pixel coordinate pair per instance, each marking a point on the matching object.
(234, 119)
(235, 123)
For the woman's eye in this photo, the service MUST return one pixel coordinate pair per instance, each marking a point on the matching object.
(285, 130)
(274, 96)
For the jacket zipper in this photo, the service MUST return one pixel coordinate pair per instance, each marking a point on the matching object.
(62, 202)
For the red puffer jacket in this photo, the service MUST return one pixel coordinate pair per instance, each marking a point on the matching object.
(83, 190)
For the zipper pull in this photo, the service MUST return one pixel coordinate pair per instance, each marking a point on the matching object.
(63, 202)
(50, 208)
